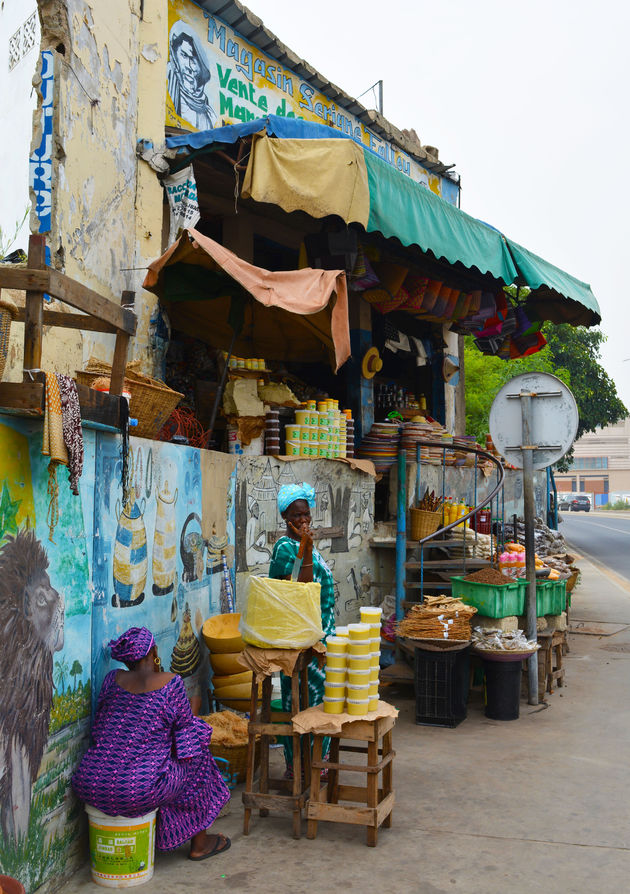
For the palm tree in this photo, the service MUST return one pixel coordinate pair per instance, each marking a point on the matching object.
(75, 670)
(61, 674)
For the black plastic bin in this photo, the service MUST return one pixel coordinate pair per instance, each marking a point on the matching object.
(441, 683)
(503, 689)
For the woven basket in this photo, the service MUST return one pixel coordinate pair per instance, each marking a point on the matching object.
(152, 402)
(236, 756)
(8, 310)
(424, 523)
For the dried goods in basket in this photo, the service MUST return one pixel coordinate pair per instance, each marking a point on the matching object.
(229, 742)
(152, 402)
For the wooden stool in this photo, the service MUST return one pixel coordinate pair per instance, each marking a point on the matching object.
(324, 799)
(550, 655)
(267, 724)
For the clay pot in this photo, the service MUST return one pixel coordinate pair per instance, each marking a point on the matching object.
(10, 885)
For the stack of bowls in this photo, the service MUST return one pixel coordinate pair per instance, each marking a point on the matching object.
(272, 432)
(231, 682)
(372, 616)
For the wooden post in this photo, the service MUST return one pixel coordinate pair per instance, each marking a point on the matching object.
(121, 348)
(34, 310)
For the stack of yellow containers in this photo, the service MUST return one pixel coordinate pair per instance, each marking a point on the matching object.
(335, 682)
(372, 616)
(358, 688)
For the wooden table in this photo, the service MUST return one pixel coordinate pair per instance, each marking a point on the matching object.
(370, 805)
(268, 724)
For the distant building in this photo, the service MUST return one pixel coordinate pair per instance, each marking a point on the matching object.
(601, 463)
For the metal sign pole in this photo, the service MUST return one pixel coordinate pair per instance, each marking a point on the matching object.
(530, 548)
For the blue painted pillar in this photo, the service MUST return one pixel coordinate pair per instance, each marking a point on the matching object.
(401, 533)
(360, 391)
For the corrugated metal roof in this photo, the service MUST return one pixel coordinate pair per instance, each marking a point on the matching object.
(253, 29)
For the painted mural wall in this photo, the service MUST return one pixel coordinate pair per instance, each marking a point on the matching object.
(344, 503)
(74, 573)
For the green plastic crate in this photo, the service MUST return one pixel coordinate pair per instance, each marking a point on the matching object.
(490, 600)
(551, 596)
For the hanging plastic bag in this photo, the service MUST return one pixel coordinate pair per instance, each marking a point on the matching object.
(281, 614)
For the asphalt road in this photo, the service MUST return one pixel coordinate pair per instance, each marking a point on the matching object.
(602, 537)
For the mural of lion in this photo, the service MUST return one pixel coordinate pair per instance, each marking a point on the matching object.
(31, 631)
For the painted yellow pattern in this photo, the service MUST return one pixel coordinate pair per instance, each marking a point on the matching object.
(16, 473)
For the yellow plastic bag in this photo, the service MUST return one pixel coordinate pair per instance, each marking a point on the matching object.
(281, 614)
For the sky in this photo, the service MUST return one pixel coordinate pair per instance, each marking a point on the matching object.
(529, 100)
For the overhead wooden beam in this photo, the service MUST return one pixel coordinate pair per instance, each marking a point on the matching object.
(67, 320)
(90, 302)
(23, 278)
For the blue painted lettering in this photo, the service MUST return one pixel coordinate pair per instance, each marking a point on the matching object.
(287, 84)
(260, 66)
(319, 110)
(306, 94)
(271, 74)
(232, 50)
(214, 31)
(246, 64)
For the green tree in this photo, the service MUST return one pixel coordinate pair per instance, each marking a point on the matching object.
(75, 670)
(60, 674)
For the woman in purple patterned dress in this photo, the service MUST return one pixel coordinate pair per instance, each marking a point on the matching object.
(150, 752)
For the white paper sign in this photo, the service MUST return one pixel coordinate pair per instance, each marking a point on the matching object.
(181, 190)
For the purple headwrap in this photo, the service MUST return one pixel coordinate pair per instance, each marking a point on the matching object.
(132, 645)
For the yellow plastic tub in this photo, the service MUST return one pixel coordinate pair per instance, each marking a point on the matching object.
(302, 417)
(358, 677)
(375, 659)
(358, 693)
(373, 703)
(334, 690)
(359, 647)
(358, 708)
(375, 644)
(375, 631)
(335, 661)
(374, 674)
(359, 631)
(342, 632)
(334, 705)
(335, 676)
(336, 645)
(373, 690)
(359, 662)
(371, 614)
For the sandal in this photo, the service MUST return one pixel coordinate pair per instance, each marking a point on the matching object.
(221, 840)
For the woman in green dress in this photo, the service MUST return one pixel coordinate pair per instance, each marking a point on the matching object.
(294, 503)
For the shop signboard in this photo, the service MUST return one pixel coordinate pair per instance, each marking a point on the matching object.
(216, 77)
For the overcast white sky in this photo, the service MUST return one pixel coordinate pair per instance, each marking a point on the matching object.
(529, 99)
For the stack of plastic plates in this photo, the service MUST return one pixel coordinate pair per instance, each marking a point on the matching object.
(381, 445)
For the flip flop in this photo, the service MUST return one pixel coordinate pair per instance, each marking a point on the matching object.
(221, 839)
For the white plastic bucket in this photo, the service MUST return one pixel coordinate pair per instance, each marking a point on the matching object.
(122, 849)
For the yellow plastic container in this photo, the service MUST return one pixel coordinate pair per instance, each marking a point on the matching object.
(336, 662)
(334, 705)
(335, 676)
(374, 674)
(361, 662)
(282, 614)
(122, 849)
(356, 707)
(358, 677)
(305, 448)
(359, 631)
(322, 451)
(341, 631)
(375, 631)
(304, 433)
(313, 434)
(375, 644)
(336, 645)
(292, 432)
(373, 691)
(375, 659)
(357, 647)
(302, 417)
(357, 693)
(292, 448)
(334, 690)
(373, 703)
(370, 614)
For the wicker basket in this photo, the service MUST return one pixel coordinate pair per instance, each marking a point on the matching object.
(236, 756)
(424, 523)
(152, 402)
(8, 310)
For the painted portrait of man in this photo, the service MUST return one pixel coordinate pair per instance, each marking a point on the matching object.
(188, 75)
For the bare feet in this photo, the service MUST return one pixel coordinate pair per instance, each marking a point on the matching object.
(203, 846)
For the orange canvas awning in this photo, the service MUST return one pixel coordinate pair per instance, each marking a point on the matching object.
(292, 308)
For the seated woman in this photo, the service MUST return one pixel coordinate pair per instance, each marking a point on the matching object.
(150, 752)
(295, 502)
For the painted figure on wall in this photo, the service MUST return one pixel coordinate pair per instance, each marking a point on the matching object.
(130, 556)
(188, 75)
(32, 630)
(164, 543)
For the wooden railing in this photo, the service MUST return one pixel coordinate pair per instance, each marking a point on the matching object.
(98, 314)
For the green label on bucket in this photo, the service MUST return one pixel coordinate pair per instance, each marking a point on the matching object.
(120, 851)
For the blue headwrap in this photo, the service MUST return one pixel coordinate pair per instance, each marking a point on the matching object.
(288, 493)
